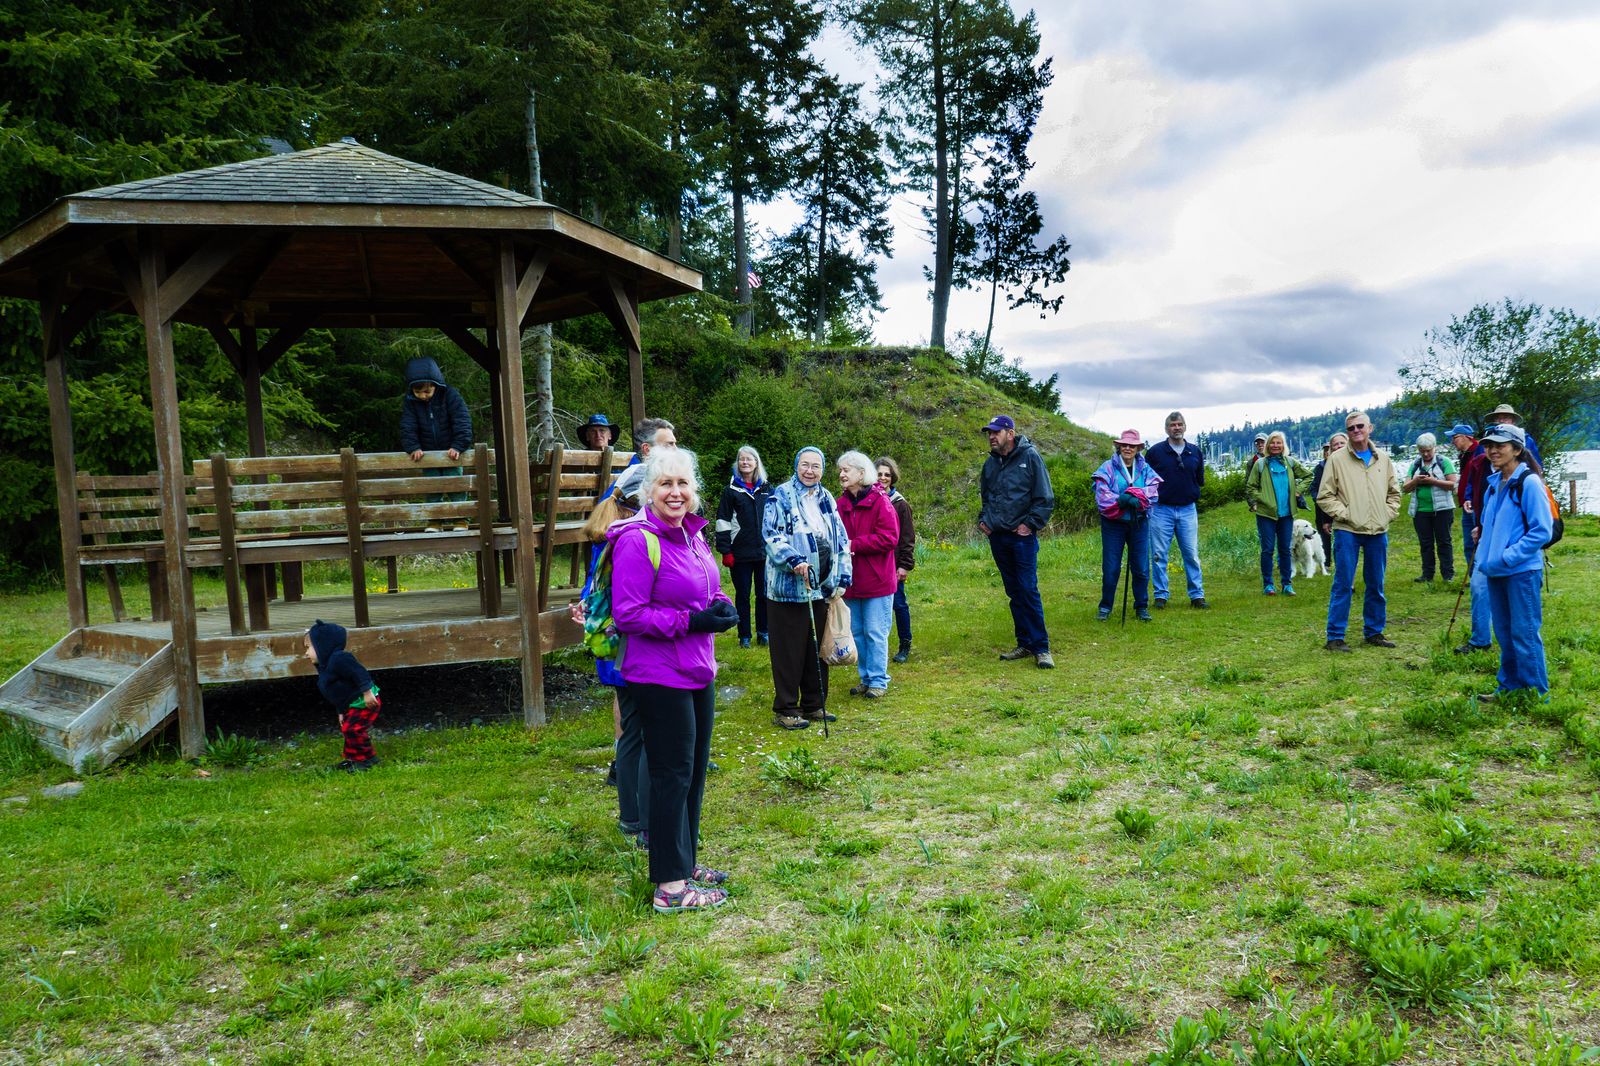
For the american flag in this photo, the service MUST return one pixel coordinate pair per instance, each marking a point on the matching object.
(753, 278)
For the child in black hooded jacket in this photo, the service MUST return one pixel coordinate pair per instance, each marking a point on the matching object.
(347, 685)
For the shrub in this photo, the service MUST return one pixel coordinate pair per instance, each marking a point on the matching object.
(796, 770)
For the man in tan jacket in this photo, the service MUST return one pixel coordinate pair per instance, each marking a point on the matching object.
(1360, 494)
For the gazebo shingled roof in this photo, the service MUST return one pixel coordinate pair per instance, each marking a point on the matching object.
(338, 236)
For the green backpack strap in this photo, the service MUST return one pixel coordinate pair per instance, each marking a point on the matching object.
(652, 547)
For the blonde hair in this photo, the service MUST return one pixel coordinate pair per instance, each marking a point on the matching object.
(761, 468)
(665, 462)
(859, 462)
(605, 512)
(1278, 435)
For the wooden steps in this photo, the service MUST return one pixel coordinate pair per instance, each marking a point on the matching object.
(94, 695)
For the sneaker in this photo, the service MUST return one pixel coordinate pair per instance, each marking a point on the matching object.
(1421, 580)
(1288, 590)
(354, 765)
(821, 716)
(761, 640)
(1019, 652)
(1269, 590)
(1378, 640)
(1104, 613)
(861, 690)
(1142, 614)
(688, 898)
(1488, 697)
(1161, 603)
(901, 656)
(1200, 604)
(611, 774)
(876, 693)
(790, 721)
(343, 764)
(744, 642)
(1336, 645)
(431, 529)
(1043, 661)
(1470, 649)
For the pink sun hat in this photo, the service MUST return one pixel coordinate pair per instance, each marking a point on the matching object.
(1130, 436)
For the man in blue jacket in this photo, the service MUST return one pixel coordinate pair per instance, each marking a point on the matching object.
(1515, 524)
(1176, 514)
(1017, 501)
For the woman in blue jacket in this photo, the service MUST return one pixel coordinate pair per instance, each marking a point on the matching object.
(1515, 524)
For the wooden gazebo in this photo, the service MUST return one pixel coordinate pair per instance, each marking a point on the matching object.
(343, 237)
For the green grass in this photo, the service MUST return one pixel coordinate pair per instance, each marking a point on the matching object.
(1201, 840)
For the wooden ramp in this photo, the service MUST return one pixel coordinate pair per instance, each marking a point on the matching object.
(94, 695)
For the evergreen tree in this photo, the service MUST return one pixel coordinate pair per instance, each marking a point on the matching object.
(952, 70)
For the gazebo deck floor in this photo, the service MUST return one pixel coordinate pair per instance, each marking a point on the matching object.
(424, 627)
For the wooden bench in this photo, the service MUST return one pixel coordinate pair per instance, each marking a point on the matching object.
(566, 487)
(120, 519)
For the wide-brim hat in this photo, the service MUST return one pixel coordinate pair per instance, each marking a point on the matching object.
(1130, 436)
(1503, 409)
(601, 421)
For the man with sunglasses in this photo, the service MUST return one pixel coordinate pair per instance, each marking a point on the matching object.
(1360, 494)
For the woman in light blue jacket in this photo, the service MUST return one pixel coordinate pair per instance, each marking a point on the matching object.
(1514, 526)
(808, 561)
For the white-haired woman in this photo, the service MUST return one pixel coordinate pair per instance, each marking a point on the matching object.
(874, 529)
(1270, 488)
(739, 541)
(667, 600)
(1432, 484)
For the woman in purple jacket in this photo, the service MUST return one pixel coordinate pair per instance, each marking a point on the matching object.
(667, 601)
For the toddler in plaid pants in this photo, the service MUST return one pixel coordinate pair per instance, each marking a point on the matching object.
(347, 685)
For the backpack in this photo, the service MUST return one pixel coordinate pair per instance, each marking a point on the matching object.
(1557, 526)
(600, 634)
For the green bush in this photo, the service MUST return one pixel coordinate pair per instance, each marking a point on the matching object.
(1221, 489)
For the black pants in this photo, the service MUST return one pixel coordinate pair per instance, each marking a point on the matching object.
(799, 678)
(1434, 530)
(746, 574)
(677, 744)
(1324, 518)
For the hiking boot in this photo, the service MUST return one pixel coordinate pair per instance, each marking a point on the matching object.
(1104, 613)
(1044, 661)
(1470, 649)
(861, 690)
(902, 655)
(876, 693)
(1336, 645)
(790, 721)
(761, 640)
(1378, 640)
(1142, 614)
(611, 774)
(820, 716)
(1200, 604)
(744, 642)
(1019, 652)
(1421, 580)
(1161, 603)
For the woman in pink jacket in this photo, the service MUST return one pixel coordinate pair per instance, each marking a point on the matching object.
(874, 530)
(667, 601)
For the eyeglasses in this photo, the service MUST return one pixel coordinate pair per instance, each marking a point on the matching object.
(1356, 425)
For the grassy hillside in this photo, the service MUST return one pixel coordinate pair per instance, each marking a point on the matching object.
(912, 404)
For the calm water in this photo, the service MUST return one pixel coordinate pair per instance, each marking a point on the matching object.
(1588, 491)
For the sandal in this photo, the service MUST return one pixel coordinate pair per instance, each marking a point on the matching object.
(688, 898)
(705, 875)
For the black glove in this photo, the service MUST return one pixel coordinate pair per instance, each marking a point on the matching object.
(717, 618)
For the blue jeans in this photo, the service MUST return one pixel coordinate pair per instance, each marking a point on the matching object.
(1469, 547)
(869, 625)
(633, 768)
(1373, 548)
(1482, 634)
(445, 497)
(902, 615)
(1184, 523)
(1276, 533)
(1114, 536)
(1518, 618)
(1018, 561)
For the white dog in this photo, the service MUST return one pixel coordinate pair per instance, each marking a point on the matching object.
(1308, 554)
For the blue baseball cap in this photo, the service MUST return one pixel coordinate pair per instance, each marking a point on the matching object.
(1000, 422)
(1461, 429)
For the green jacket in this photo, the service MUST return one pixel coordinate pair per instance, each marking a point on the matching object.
(1258, 488)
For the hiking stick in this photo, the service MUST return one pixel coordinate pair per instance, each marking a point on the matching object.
(816, 643)
(1448, 629)
(1127, 582)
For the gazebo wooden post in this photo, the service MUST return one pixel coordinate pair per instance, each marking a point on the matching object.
(174, 507)
(61, 443)
(514, 459)
(497, 422)
(260, 584)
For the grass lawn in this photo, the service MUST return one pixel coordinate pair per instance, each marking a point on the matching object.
(1198, 840)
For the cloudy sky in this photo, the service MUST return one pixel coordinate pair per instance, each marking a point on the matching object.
(1270, 203)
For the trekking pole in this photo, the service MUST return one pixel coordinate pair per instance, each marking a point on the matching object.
(816, 642)
(1464, 579)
